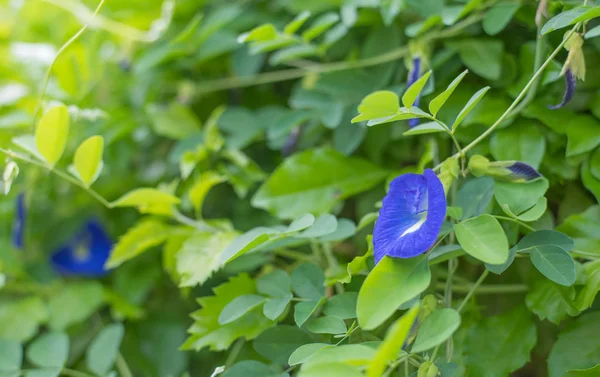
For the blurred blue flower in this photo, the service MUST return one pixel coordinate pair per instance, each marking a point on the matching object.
(86, 253)
(411, 216)
(18, 229)
(413, 75)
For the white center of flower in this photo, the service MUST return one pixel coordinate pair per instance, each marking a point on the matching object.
(415, 227)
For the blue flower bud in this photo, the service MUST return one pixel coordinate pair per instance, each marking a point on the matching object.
(18, 229)
(569, 90)
(413, 76)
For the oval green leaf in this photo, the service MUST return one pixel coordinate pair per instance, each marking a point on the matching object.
(143, 197)
(377, 302)
(436, 104)
(88, 159)
(436, 329)
(51, 133)
(482, 237)
(554, 263)
(411, 94)
(473, 101)
(238, 307)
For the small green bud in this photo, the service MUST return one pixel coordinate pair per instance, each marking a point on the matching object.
(428, 369)
(449, 171)
(478, 165)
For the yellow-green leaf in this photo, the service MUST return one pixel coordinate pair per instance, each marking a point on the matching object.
(137, 240)
(88, 159)
(393, 342)
(144, 197)
(51, 133)
(201, 187)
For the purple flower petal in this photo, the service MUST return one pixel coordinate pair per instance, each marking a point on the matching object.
(85, 254)
(569, 90)
(520, 170)
(411, 216)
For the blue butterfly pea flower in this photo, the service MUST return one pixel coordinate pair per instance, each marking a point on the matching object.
(18, 229)
(411, 216)
(85, 254)
(413, 76)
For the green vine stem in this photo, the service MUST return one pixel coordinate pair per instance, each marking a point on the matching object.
(517, 100)
(60, 51)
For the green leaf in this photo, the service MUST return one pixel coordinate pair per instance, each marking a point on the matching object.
(570, 17)
(274, 307)
(583, 133)
(345, 229)
(350, 354)
(320, 25)
(305, 352)
(575, 348)
(278, 343)
(498, 269)
(200, 256)
(454, 212)
(296, 23)
(426, 128)
(436, 329)
(551, 301)
(411, 94)
(377, 302)
(88, 159)
(49, 350)
(327, 325)
(21, 318)
(248, 241)
(290, 53)
(175, 121)
(520, 144)
(144, 197)
(593, 32)
(442, 253)
(202, 186)
(519, 197)
(532, 214)
(324, 225)
(436, 104)
(238, 307)
(506, 346)
(554, 263)
(546, 237)
(380, 104)
(475, 196)
(481, 56)
(206, 331)
(11, 355)
(250, 368)
(260, 33)
(586, 296)
(314, 181)
(300, 223)
(305, 309)
(483, 238)
(585, 224)
(393, 342)
(473, 101)
(51, 133)
(589, 372)
(102, 352)
(82, 299)
(329, 370)
(277, 283)
(138, 239)
(308, 281)
(499, 16)
(342, 305)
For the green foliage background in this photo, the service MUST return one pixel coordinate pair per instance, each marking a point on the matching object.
(234, 258)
